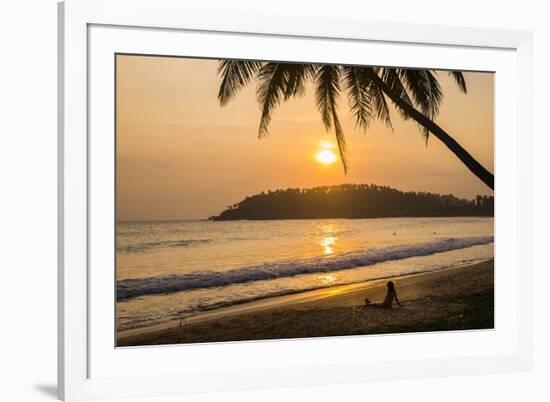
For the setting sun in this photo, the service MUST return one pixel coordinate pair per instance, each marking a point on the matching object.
(326, 156)
(210, 217)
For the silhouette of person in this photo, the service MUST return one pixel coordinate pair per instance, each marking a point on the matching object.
(388, 300)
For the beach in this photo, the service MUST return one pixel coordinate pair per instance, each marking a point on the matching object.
(180, 269)
(456, 298)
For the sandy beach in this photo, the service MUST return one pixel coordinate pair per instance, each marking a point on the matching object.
(456, 298)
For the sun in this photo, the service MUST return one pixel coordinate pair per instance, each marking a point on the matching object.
(326, 156)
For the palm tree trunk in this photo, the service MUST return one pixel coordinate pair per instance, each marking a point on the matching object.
(475, 167)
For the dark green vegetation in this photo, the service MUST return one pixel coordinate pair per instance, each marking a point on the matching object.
(353, 201)
(415, 93)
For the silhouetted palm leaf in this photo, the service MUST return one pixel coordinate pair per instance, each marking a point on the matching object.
(410, 90)
(380, 104)
(298, 74)
(235, 75)
(393, 78)
(281, 81)
(272, 85)
(278, 81)
(459, 79)
(359, 96)
(326, 94)
(424, 90)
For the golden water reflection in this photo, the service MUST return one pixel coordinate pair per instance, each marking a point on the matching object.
(329, 232)
(327, 279)
(327, 243)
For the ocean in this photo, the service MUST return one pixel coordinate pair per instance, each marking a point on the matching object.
(174, 269)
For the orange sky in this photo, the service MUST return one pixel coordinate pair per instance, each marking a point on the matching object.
(182, 156)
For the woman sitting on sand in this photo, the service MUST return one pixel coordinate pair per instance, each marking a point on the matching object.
(388, 300)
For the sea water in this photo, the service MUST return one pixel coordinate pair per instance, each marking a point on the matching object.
(171, 270)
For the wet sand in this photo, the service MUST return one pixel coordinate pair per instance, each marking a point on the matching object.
(457, 298)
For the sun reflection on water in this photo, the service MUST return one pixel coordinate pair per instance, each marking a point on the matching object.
(327, 242)
(328, 237)
(327, 279)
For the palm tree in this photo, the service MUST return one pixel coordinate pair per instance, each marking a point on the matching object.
(416, 94)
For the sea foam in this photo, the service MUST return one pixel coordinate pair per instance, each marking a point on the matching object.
(130, 288)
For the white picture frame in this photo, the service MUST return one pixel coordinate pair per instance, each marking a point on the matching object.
(91, 31)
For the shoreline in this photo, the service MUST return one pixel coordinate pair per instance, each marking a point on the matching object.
(267, 318)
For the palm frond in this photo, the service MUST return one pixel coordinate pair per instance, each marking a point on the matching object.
(359, 96)
(272, 85)
(235, 74)
(367, 89)
(381, 106)
(424, 91)
(460, 80)
(423, 88)
(326, 93)
(328, 88)
(297, 74)
(392, 78)
(278, 81)
(340, 140)
(376, 94)
(436, 96)
(435, 93)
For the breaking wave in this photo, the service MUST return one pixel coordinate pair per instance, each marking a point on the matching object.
(129, 288)
(142, 247)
